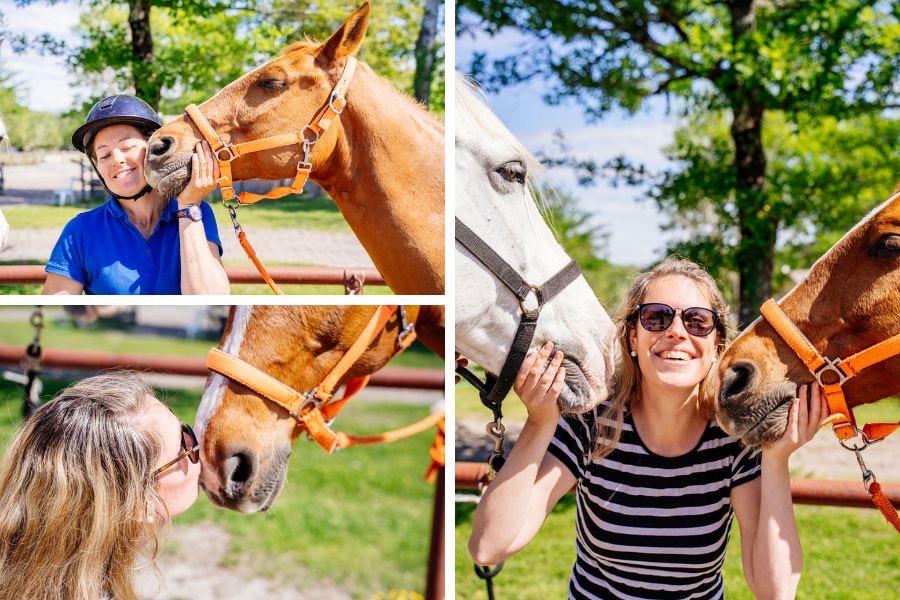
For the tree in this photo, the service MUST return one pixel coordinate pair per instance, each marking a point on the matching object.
(823, 174)
(816, 57)
(425, 51)
(173, 52)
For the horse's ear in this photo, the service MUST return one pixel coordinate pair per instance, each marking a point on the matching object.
(347, 40)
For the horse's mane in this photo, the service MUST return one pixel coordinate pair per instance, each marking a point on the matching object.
(472, 99)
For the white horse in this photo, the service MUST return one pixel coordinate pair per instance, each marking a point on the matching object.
(493, 198)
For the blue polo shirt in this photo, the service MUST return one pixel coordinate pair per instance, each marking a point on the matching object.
(103, 251)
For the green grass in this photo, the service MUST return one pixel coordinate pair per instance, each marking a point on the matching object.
(290, 212)
(849, 554)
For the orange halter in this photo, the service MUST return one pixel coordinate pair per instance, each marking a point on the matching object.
(314, 408)
(306, 137)
(831, 374)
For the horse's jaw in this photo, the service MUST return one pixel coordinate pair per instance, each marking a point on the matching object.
(485, 327)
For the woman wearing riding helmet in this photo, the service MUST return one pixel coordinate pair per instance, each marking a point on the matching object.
(137, 242)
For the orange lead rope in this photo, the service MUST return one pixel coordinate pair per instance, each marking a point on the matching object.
(831, 374)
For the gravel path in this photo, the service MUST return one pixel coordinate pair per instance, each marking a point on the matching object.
(198, 563)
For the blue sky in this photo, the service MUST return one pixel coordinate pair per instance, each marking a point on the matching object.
(45, 83)
(634, 227)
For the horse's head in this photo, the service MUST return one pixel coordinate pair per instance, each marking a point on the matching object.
(847, 303)
(246, 439)
(493, 198)
(277, 98)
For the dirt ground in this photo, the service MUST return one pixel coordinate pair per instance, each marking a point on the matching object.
(43, 183)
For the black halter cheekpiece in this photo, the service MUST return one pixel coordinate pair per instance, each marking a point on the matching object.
(495, 387)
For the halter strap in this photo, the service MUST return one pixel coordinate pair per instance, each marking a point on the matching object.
(831, 374)
(306, 137)
(313, 409)
(495, 389)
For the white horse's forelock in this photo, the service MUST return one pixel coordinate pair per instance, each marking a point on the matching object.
(215, 390)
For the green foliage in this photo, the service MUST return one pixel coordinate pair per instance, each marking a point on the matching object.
(199, 47)
(26, 129)
(585, 242)
(812, 61)
(823, 175)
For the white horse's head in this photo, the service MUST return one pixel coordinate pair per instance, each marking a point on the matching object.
(493, 198)
(2, 129)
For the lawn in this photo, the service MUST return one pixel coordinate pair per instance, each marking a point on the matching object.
(849, 554)
(291, 212)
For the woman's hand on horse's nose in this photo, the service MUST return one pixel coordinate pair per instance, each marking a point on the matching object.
(539, 383)
(804, 419)
(204, 172)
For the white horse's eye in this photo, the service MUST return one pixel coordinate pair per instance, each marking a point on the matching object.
(508, 177)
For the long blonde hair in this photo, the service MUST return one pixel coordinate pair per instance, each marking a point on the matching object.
(77, 494)
(626, 388)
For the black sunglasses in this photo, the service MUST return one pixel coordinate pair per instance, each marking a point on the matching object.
(656, 316)
(189, 448)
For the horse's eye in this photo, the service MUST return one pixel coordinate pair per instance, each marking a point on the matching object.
(272, 84)
(888, 246)
(513, 172)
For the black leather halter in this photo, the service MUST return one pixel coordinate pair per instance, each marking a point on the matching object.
(495, 388)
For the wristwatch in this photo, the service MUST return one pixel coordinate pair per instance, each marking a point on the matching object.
(191, 212)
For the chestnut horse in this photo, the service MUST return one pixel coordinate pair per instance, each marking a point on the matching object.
(245, 439)
(381, 159)
(848, 302)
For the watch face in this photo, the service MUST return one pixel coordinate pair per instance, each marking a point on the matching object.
(192, 212)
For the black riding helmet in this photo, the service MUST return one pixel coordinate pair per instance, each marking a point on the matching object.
(121, 109)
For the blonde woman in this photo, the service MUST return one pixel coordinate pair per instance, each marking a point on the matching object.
(657, 481)
(84, 487)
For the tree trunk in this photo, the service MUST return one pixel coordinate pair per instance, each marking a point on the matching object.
(755, 254)
(146, 83)
(425, 52)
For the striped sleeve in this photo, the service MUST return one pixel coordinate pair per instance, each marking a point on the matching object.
(746, 466)
(573, 442)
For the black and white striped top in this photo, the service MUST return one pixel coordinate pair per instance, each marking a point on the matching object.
(650, 526)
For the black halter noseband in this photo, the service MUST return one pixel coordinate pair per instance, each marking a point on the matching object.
(495, 387)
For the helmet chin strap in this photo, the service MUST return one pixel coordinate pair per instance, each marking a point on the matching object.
(146, 189)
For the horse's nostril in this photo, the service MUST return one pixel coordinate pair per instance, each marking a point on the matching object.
(240, 467)
(736, 380)
(161, 146)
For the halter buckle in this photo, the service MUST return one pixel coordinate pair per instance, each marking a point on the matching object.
(229, 153)
(334, 108)
(830, 366)
(310, 402)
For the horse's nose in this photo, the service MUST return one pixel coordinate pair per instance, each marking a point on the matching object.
(737, 380)
(238, 472)
(161, 146)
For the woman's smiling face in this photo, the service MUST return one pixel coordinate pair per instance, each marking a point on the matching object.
(119, 152)
(673, 359)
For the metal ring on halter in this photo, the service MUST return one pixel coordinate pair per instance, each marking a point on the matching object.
(311, 402)
(866, 442)
(37, 319)
(311, 141)
(331, 100)
(226, 148)
(831, 366)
